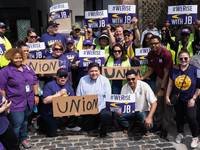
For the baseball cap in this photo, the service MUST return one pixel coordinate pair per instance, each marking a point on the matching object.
(52, 23)
(185, 30)
(89, 29)
(76, 26)
(69, 40)
(62, 71)
(129, 30)
(87, 42)
(2, 24)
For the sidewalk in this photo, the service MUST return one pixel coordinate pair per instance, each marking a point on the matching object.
(116, 140)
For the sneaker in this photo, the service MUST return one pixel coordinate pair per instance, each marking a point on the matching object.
(35, 124)
(73, 129)
(179, 138)
(25, 144)
(195, 142)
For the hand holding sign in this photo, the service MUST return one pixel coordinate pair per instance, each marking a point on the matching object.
(62, 92)
(134, 20)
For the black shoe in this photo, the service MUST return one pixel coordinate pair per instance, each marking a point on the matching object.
(163, 133)
(156, 128)
(103, 135)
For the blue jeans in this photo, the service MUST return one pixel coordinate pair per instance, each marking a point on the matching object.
(116, 90)
(19, 121)
(152, 84)
(126, 119)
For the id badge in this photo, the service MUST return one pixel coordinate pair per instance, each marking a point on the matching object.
(27, 88)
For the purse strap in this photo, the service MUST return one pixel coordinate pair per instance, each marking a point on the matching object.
(184, 81)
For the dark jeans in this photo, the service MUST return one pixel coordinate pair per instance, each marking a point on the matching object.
(9, 139)
(183, 110)
(91, 122)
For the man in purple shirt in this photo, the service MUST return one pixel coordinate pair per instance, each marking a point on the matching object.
(160, 61)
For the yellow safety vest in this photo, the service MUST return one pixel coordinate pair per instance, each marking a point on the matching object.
(189, 49)
(3, 61)
(191, 39)
(110, 63)
(79, 46)
(98, 47)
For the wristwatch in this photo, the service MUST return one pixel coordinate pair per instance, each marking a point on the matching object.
(37, 95)
(162, 89)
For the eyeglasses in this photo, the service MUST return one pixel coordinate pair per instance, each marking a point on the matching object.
(185, 58)
(57, 49)
(33, 37)
(129, 79)
(154, 43)
(65, 76)
(115, 51)
(89, 32)
(127, 35)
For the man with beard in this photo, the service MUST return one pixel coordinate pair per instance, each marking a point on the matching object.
(3, 47)
(160, 61)
(183, 42)
(144, 97)
(119, 35)
(51, 37)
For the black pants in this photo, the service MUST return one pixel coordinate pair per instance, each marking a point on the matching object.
(9, 139)
(91, 122)
(182, 111)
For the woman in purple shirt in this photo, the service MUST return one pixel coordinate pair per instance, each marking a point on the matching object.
(7, 134)
(19, 84)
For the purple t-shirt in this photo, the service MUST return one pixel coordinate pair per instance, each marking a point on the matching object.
(3, 120)
(118, 63)
(52, 88)
(118, 42)
(49, 41)
(14, 83)
(70, 55)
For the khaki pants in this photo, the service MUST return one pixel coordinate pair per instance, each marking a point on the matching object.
(163, 111)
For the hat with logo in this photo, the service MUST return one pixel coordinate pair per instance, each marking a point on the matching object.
(76, 26)
(129, 30)
(2, 24)
(87, 42)
(52, 23)
(185, 30)
(69, 40)
(62, 71)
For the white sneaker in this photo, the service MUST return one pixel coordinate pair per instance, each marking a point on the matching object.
(179, 138)
(195, 142)
(73, 129)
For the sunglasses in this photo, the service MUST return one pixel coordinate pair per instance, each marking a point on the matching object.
(163, 30)
(87, 45)
(185, 58)
(33, 37)
(129, 79)
(65, 76)
(127, 35)
(57, 49)
(77, 30)
(115, 51)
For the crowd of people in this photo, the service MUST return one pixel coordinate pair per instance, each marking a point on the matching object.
(172, 69)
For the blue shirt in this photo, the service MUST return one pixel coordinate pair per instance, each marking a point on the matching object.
(49, 41)
(52, 88)
(101, 87)
(3, 120)
(192, 82)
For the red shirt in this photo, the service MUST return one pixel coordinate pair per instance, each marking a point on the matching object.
(159, 61)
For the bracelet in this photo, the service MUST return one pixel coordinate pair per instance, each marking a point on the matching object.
(37, 95)
(194, 98)
(135, 28)
(162, 89)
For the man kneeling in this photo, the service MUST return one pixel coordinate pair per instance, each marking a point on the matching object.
(143, 97)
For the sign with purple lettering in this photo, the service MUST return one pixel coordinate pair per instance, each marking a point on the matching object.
(88, 56)
(182, 14)
(141, 54)
(96, 19)
(121, 14)
(59, 11)
(2, 48)
(125, 103)
(36, 50)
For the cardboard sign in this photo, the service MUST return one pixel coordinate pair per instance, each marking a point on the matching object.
(182, 14)
(43, 66)
(119, 73)
(37, 50)
(67, 106)
(59, 11)
(121, 14)
(141, 54)
(96, 19)
(124, 103)
(2, 48)
(88, 56)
